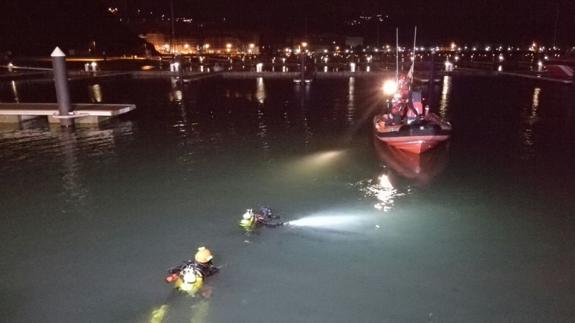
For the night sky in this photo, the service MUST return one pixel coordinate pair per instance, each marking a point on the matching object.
(496, 21)
(32, 26)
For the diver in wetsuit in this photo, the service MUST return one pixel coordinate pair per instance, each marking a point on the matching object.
(263, 216)
(193, 271)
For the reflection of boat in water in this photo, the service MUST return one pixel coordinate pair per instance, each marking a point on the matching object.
(418, 168)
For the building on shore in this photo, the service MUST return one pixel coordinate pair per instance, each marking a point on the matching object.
(194, 45)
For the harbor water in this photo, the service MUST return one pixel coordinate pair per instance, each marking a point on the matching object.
(480, 230)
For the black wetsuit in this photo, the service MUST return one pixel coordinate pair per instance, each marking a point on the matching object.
(265, 217)
(269, 224)
(206, 269)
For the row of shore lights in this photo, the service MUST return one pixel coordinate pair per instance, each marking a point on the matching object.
(453, 47)
(304, 45)
(207, 46)
(533, 48)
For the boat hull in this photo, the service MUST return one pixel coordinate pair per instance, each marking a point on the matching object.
(417, 137)
(414, 144)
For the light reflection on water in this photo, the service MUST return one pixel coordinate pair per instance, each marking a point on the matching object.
(176, 94)
(96, 93)
(350, 113)
(14, 87)
(444, 101)
(260, 90)
(73, 191)
(382, 190)
(263, 130)
(65, 151)
(174, 176)
(530, 120)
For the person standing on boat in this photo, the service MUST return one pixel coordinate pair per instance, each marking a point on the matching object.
(415, 107)
(403, 87)
(396, 113)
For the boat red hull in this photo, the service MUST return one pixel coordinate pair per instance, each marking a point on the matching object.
(414, 144)
(417, 137)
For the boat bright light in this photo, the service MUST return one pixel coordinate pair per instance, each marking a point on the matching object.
(389, 87)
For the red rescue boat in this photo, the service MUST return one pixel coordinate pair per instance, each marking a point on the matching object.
(405, 125)
(418, 136)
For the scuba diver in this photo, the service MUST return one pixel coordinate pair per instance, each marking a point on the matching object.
(189, 276)
(263, 217)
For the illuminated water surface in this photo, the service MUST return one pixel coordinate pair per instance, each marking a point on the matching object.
(480, 230)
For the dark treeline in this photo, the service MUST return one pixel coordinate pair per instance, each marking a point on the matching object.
(32, 27)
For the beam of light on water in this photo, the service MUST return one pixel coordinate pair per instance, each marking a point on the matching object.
(325, 221)
(316, 162)
(323, 157)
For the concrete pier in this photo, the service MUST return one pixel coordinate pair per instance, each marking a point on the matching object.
(82, 113)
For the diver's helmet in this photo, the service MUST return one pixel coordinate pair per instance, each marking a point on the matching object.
(203, 255)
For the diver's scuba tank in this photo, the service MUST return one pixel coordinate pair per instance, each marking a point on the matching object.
(189, 280)
(186, 277)
(248, 220)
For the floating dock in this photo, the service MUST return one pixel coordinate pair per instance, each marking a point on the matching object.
(82, 112)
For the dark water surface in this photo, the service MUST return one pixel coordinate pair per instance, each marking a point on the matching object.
(481, 230)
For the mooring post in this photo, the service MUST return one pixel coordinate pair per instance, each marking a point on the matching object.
(61, 84)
